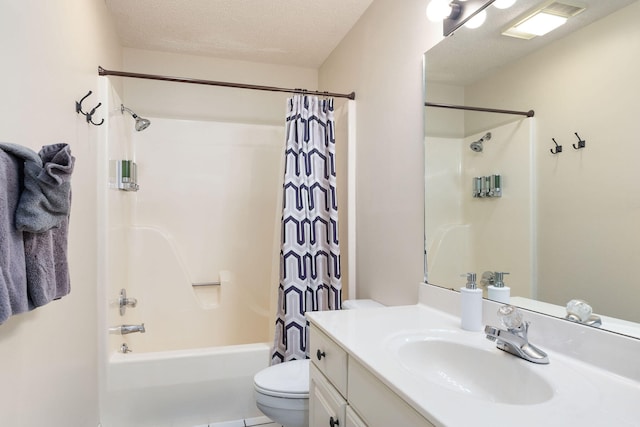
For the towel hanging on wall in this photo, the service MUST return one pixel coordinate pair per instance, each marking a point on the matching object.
(41, 185)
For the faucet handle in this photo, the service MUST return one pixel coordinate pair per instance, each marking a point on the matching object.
(510, 317)
(125, 302)
(488, 278)
(578, 310)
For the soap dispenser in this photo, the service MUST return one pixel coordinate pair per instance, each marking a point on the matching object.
(471, 305)
(498, 291)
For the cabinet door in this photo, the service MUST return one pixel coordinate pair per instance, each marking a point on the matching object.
(330, 358)
(326, 405)
(378, 405)
(352, 419)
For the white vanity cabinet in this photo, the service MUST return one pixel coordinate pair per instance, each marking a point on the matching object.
(352, 419)
(342, 392)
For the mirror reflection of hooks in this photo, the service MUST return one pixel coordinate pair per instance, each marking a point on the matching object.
(581, 142)
(88, 116)
(558, 147)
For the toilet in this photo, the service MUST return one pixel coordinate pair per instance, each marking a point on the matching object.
(282, 390)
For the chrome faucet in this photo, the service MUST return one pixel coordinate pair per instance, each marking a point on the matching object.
(127, 329)
(514, 339)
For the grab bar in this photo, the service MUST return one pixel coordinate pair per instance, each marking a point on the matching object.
(195, 285)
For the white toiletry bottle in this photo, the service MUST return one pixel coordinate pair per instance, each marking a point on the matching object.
(471, 305)
(498, 291)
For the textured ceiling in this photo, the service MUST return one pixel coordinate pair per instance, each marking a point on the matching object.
(469, 55)
(290, 32)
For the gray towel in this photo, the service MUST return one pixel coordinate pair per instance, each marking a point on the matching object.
(46, 264)
(46, 199)
(13, 280)
(42, 214)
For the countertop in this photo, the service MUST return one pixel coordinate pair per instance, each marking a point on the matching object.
(583, 394)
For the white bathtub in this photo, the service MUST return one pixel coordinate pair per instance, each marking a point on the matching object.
(183, 388)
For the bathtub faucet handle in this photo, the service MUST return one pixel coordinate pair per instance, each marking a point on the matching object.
(125, 302)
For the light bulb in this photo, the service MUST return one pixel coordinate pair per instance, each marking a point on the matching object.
(477, 20)
(503, 4)
(437, 10)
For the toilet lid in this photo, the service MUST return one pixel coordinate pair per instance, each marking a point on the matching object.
(288, 379)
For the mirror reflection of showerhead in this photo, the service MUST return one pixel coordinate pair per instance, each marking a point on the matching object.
(141, 124)
(477, 145)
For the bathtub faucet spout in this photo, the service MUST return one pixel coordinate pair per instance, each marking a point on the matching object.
(126, 329)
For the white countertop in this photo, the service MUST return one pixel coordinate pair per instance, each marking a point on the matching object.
(583, 395)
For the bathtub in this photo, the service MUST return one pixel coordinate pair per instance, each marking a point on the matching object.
(183, 388)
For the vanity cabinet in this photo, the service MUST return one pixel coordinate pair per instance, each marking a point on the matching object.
(342, 392)
(352, 419)
(327, 407)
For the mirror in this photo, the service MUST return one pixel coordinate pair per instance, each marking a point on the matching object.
(568, 224)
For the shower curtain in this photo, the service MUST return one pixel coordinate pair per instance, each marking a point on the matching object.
(309, 255)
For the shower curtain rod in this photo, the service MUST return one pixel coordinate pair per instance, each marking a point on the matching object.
(105, 72)
(529, 113)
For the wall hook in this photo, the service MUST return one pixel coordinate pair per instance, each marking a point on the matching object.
(558, 147)
(88, 116)
(581, 142)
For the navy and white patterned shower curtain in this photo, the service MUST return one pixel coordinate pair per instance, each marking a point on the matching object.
(310, 255)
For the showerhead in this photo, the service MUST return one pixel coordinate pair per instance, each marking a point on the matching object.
(477, 145)
(141, 124)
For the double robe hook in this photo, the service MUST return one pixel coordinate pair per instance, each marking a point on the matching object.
(89, 115)
(581, 144)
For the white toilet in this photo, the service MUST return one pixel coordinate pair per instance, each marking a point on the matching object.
(282, 390)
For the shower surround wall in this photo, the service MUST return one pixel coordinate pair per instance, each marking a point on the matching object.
(467, 234)
(207, 212)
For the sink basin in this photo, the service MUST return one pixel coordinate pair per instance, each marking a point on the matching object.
(490, 375)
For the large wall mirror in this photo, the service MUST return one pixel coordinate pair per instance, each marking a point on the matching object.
(567, 225)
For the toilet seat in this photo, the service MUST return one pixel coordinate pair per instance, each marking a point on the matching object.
(285, 380)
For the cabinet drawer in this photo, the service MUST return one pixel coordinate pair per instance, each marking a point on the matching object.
(330, 359)
(326, 405)
(376, 404)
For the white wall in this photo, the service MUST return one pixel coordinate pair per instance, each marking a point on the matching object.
(381, 60)
(51, 51)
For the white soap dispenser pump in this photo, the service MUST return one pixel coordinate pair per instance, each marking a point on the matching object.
(471, 305)
(498, 291)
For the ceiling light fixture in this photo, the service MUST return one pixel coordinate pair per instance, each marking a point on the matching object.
(541, 21)
(456, 13)
(504, 4)
(437, 10)
(477, 20)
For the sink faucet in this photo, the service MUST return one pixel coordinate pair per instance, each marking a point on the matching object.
(514, 339)
(127, 329)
